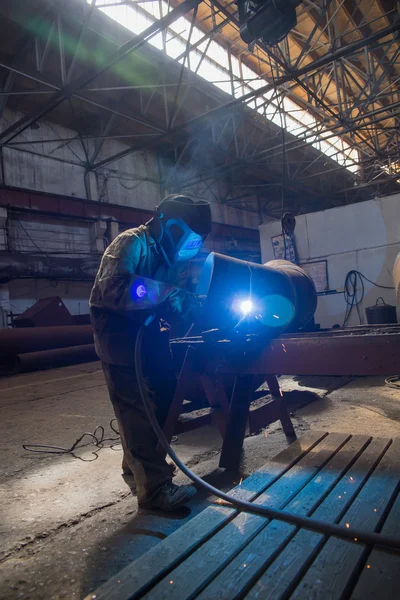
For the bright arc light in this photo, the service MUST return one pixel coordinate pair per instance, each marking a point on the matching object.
(246, 307)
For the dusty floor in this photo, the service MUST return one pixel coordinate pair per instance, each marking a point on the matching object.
(68, 523)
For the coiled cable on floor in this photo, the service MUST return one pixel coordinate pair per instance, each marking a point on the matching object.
(97, 438)
(393, 382)
(352, 534)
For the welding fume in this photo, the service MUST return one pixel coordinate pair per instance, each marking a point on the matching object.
(139, 288)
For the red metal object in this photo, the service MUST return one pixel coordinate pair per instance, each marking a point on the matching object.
(58, 357)
(89, 209)
(34, 339)
(72, 207)
(362, 351)
(45, 313)
(357, 351)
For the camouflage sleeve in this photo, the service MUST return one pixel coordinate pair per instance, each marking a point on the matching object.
(118, 287)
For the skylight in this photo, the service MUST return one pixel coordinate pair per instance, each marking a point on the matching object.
(214, 67)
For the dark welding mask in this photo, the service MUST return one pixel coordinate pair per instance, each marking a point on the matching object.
(179, 227)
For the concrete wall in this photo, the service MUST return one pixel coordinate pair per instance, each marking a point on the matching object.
(363, 236)
(58, 168)
(29, 233)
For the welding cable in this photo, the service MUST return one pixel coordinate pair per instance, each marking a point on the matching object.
(351, 534)
(393, 382)
(97, 439)
(354, 291)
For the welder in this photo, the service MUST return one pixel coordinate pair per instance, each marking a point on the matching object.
(141, 279)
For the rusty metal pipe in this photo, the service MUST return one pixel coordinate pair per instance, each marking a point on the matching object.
(281, 295)
(34, 339)
(57, 357)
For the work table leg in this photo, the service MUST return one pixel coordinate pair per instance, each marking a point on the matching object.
(284, 416)
(237, 422)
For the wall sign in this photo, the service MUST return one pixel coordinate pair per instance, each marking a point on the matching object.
(283, 247)
(318, 271)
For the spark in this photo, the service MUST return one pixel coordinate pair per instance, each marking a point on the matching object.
(356, 539)
(374, 509)
(245, 565)
(283, 347)
(275, 316)
(368, 566)
(340, 497)
(240, 482)
(351, 478)
(347, 525)
(171, 582)
(281, 393)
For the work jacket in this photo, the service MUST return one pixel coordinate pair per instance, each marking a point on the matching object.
(132, 283)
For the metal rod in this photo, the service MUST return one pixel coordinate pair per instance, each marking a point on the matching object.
(85, 25)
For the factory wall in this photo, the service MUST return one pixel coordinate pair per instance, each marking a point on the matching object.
(56, 167)
(43, 242)
(37, 243)
(28, 233)
(363, 236)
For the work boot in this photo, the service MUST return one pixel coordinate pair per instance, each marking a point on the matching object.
(170, 497)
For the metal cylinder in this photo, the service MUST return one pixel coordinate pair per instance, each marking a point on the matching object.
(303, 289)
(279, 296)
(33, 339)
(58, 357)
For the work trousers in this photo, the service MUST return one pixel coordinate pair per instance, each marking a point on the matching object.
(139, 442)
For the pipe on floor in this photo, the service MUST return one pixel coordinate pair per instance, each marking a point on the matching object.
(57, 357)
(35, 339)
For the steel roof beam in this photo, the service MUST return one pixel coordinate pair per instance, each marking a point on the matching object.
(120, 53)
(324, 60)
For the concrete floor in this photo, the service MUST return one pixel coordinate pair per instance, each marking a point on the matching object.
(67, 523)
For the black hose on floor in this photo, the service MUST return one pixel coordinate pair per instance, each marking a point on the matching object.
(352, 534)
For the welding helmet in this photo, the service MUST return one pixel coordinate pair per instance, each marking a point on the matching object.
(179, 227)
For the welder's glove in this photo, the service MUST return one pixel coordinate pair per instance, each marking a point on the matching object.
(185, 304)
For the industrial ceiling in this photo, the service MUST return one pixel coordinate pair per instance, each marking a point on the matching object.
(306, 124)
